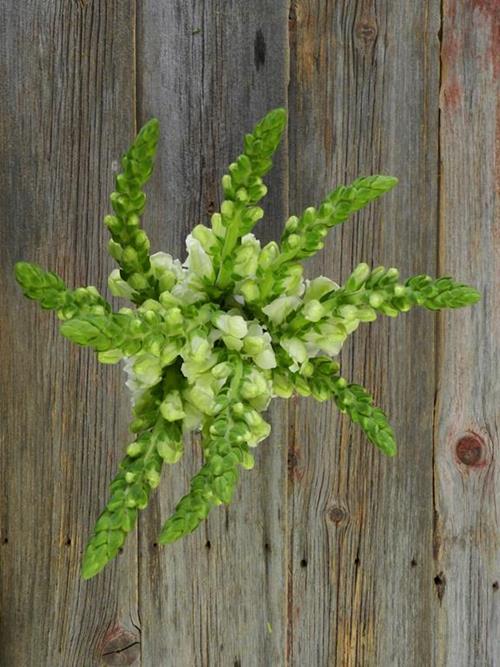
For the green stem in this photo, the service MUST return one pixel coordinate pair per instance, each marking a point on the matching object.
(232, 235)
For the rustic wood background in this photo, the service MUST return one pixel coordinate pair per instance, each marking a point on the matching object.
(330, 554)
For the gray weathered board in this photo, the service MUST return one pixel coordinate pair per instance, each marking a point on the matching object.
(330, 555)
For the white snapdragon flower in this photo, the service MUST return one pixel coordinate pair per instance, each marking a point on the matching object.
(198, 261)
(206, 237)
(167, 270)
(162, 261)
(188, 293)
(281, 307)
(295, 348)
(232, 325)
(247, 256)
(257, 344)
(316, 288)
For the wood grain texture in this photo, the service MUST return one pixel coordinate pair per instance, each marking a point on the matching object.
(364, 99)
(209, 71)
(330, 554)
(467, 444)
(66, 112)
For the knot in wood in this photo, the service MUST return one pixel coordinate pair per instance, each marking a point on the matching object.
(337, 514)
(366, 31)
(470, 450)
(120, 647)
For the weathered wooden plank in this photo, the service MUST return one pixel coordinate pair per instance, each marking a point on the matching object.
(363, 99)
(467, 479)
(67, 110)
(208, 71)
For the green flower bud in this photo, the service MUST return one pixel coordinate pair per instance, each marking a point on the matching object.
(234, 325)
(232, 343)
(115, 250)
(307, 369)
(206, 237)
(136, 448)
(293, 240)
(390, 277)
(247, 461)
(376, 299)
(238, 408)
(268, 254)
(174, 317)
(301, 385)
(348, 312)
(366, 314)
(227, 210)
(163, 266)
(199, 346)
(172, 407)
(167, 438)
(313, 310)
(399, 290)
(114, 225)
(254, 385)
(282, 385)
(389, 310)
(295, 348)
(110, 356)
(280, 308)
(249, 290)
(168, 300)
(152, 477)
(147, 369)
(247, 256)
(375, 277)
(318, 287)
(198, 260)
(358, 277)
(222, 370)
(203, 397)
(253, 345)
(170, 452)
(291, 224)
(150, 304)
(266, 359)
(130, 257)
(217, 225)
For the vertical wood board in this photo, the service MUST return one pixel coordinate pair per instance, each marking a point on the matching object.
(467, 443)
(209, 72)
(363, 99)
(66, 111)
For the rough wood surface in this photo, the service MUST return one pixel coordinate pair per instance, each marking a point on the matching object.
(207, 71)
(330, 554)
(467, 418)
(364, 99)
(66, 112)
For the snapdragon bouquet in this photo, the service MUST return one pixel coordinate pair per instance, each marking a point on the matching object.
(209, 342)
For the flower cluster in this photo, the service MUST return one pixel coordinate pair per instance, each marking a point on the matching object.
(210, 341)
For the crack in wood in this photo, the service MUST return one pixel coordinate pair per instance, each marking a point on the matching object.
(121, 650)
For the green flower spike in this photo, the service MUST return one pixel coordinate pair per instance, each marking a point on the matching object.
(209, 342)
